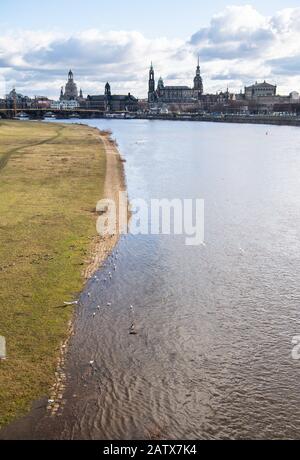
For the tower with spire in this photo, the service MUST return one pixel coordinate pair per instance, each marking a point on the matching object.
(198, 83)
(151, 87)
(107, 97)
(107, 90)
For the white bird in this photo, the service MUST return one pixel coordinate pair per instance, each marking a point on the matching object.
(94, 314)
(92, 363)
(98, 308)
(108, 304)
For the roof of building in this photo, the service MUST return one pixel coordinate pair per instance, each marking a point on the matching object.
(177, 87)
(262, 85)
(114, 97)
(101, 97)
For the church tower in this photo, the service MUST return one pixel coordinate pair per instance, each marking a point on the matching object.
(151, 92)
(107, 90)
(107, 97)
(198, 83)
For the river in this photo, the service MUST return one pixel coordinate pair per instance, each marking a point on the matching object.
(213, 354)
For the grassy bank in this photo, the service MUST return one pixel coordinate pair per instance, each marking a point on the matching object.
(51, 177)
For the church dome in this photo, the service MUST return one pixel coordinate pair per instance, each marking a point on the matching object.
(161, 83)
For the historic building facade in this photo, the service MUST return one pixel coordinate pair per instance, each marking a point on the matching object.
(174, 94)
(71, 92)
(16, 100)
(113, 102)
(260, 90)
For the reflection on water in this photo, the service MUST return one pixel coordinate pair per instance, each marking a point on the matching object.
(212, 358)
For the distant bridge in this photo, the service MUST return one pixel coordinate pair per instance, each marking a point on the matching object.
(59, 113)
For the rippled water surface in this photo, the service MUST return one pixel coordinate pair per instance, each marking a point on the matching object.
(212, 358)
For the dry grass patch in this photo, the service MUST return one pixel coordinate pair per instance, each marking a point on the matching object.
(50, 175)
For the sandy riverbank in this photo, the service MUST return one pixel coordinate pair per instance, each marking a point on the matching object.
(114, 183)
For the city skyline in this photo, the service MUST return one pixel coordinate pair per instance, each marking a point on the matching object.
(237, 45)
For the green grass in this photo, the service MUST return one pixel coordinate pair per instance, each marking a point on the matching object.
(51, 177)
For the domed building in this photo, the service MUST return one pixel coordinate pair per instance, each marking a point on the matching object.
(71, 91)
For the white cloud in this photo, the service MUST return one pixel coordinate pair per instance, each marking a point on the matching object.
(236, 48)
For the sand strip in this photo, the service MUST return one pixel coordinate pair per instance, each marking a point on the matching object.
(102, 246)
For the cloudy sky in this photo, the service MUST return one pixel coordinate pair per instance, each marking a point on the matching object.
(115, 40)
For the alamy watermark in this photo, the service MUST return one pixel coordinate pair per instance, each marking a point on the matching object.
(154, 217)
(296, 349)
(2, 87)
(2, 348)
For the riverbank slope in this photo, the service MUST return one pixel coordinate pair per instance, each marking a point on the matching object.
(51, 177)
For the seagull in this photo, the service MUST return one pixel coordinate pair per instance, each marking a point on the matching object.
(108, 304)
(98, 308)
(132, 330)
(92, 363)
(94, 314)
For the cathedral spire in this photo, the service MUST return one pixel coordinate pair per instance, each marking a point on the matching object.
(107, 90)
(198, 66)
(198, 83)
(151, 87)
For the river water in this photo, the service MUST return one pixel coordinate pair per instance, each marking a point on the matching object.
(213, 353)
